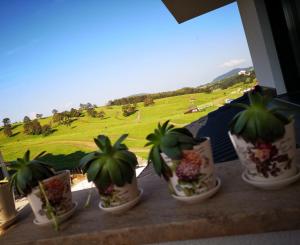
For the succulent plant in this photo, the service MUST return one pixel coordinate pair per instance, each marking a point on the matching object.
(171, 141)
(259, 122)
(26, 173)
(111, 164)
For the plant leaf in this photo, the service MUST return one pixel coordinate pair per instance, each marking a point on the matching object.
(40, 155)
(172, 152)
(26, 157)
(94, 168)
(157, 160)
(120, 140)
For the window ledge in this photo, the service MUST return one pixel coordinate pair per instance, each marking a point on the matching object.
(236, 209)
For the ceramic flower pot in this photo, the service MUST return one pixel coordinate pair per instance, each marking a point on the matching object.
(7, 203)
(58, 191)
(268, 162)
(194, 173)
(115, 196)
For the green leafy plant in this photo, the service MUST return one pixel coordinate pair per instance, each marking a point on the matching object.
(171, 141)
(111, 164)
(258, 121)
(26, 173)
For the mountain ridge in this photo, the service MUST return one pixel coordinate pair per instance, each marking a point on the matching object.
(231, 73)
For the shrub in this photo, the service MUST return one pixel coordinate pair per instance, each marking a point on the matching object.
(101, 114)
(47, 129)
(36, 127)
(148, 101)
(128, 110)
(91, 112)
(7, 130)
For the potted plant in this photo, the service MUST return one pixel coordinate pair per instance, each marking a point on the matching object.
(8, 211)
(112, 169)
(48, 192)
(264, 140)
(185, 162)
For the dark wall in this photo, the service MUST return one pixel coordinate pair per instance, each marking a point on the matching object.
(284, 18)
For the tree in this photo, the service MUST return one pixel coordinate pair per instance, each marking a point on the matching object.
(39, 116)
(27, 125)
(89, 105)
(47, 129)
(27, 128)
(207, 90)
(128, 110)
(75, 113)
(81, 106)
(54, 111)
(101, 114)
(109, 103)
(66, 118)
(36, 127)
(91, 112)
(57, 118)
(7, 130)
(6, 121)
(148, 101)
(26, 119)
(86, 106)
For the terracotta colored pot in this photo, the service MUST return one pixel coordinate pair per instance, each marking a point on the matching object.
(7, 203)
(268, 162)
(194, 173)
(115, 196)
(58, 191)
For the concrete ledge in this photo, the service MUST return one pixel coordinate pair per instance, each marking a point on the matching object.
(236, 209)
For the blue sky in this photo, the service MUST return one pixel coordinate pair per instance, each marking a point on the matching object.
(59, 53)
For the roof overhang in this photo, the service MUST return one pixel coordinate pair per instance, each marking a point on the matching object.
(184, 10)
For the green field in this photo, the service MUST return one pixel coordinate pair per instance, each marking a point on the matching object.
(69, 143)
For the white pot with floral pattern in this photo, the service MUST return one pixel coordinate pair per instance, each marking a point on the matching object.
(114, 195)
(268, 162)
(58, 191)
(194, 173)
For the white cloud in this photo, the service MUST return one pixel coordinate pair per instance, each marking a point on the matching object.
(233, 63)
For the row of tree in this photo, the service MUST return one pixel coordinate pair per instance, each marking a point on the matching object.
(34, 127)
(65, 117)
(208, 88)
(31, 127)
(145, 98)
(93, 113)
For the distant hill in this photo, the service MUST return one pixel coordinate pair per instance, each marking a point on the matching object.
(232, 73)
(221, 82)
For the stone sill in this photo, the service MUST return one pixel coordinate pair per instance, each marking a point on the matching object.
(236, 209)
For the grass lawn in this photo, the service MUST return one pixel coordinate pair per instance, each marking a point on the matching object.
(69, 143)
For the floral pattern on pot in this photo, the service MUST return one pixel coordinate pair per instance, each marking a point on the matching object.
(58, 191)
(194, 173)
(114, 195)
(268, 161)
